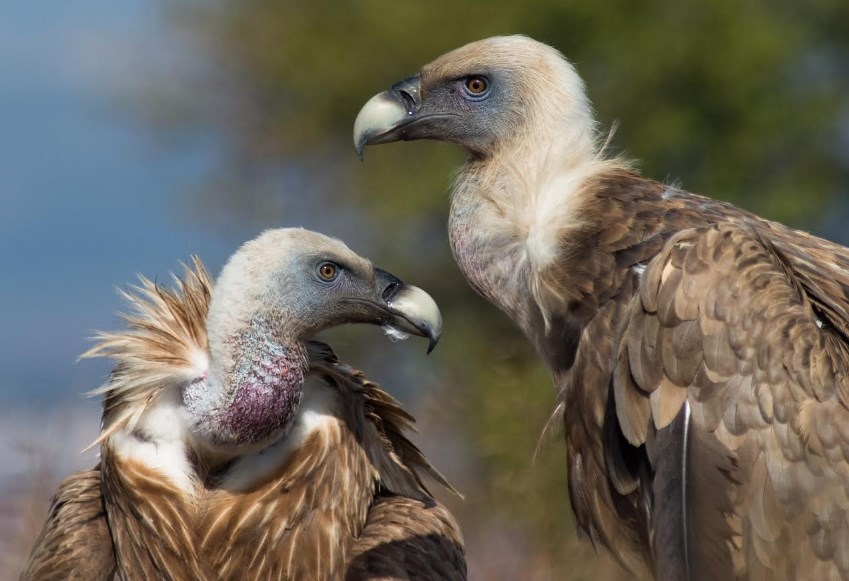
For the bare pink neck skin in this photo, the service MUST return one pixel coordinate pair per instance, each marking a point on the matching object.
(260, 391)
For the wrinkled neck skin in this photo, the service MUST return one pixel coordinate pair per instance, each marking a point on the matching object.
(252, 391)
(509, 207)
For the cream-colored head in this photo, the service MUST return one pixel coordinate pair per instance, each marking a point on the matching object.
(277, 277)
(499, 94)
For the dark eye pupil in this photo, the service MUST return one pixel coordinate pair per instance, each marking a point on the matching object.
(476, 85)
(327, 271)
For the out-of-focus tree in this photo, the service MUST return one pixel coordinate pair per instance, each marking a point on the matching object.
(743, 100)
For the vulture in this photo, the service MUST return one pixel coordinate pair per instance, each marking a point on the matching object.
(700, 352)
(234, 446)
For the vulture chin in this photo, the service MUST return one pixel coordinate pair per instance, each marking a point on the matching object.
(234, 447)
(701, 353)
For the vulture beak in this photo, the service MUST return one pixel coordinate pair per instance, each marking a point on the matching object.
(391, 115)
(407, 308)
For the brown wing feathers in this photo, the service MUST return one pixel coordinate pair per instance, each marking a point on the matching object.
(743, 319)
(391, 423)
(408, 539)
(75, 542)
(722, 323)
(151, 523)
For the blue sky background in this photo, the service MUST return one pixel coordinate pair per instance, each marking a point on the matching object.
(88, 198)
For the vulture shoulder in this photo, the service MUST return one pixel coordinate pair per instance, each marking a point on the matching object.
(75, 541)
(407, 534)
(406, 538)
(152, 522)
(732, 372)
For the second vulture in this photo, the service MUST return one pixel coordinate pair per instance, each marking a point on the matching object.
(701, 353)
(233, 448)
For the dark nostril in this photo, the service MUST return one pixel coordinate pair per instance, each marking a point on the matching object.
(408, 92)
(409, 101)
(390, 291)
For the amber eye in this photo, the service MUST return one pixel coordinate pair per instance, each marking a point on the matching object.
(476, 86)
(327, 271)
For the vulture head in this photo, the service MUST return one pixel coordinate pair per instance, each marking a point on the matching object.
(487, 97)
(244, 389)
(276, 292)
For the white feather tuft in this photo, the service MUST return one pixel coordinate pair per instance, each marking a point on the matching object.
(684, 511)
(395, 334)
(158, 440)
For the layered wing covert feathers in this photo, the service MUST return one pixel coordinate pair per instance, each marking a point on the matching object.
(733, 374)
(408, 539)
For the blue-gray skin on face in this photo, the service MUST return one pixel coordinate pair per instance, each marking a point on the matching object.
(450, 112)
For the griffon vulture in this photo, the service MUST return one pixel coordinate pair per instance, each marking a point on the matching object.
(234, 448)
(701, 353)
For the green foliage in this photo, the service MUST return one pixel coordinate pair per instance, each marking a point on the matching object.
(738, 99)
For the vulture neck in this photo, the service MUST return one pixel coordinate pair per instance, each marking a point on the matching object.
(552, 247)
(511, 209)
(253, 388)
(513, 204)
(242, 400)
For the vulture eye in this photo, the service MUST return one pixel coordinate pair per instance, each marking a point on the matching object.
(476, 86)
(327, 271)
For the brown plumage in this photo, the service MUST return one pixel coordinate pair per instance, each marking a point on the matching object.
(339, 495)
(701, 353)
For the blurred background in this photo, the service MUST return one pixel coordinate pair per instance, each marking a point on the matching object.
(135, 133)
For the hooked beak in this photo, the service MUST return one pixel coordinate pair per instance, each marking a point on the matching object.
(389, 116)
(408, 308)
